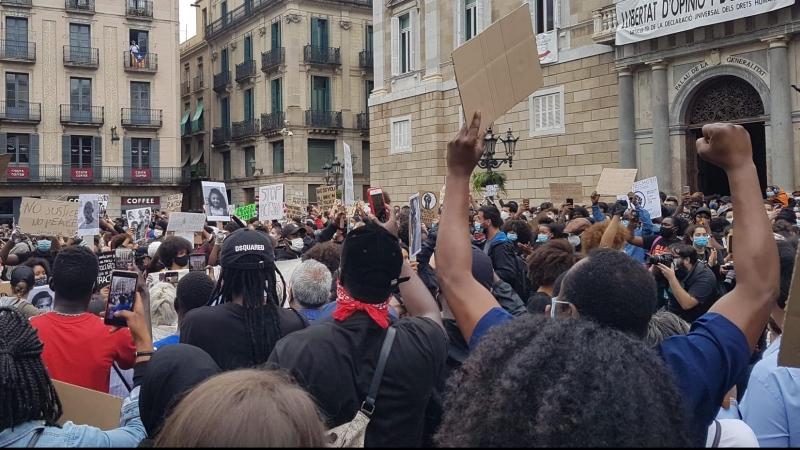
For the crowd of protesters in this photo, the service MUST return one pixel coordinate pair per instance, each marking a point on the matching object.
(517, 325)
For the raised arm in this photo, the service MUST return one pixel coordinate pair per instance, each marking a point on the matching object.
(468, 300)
(417, 298)
(758, 273)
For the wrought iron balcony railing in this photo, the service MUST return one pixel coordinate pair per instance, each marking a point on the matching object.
(79, 6)
(326, 119)
(139, 9)
(272, 59)
(245, 11)
(365, 59)
(81, 56)
(112, 175)
(272, 122)
(142, 118)
(19, 51)
(314, 54)
(199, 83)
(362, 122)
(22, 3)
(186, 88)
(245, 70)
(222, 80)
(248, 128)
(82, 115)
(220, 135)
(140, 62)
(25, 113)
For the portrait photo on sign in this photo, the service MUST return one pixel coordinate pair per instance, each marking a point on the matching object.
(216, 201)
(89, 215)
(139, 221)
(42, 298)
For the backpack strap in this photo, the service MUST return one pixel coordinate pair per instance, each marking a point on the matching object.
(121, 377)
(368, 407)
(35, 438)
(717, 434)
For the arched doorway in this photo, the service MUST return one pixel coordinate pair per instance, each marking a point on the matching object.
(724, 99)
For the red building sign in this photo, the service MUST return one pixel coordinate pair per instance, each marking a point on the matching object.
(18, 173)
(81, 174)
(140, 174)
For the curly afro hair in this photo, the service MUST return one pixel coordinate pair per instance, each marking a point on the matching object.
(549, 261)
(521, 227)
(559, 383)
(329, 253)
(590, 239)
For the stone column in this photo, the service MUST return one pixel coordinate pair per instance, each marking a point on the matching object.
(780, 114)
(662, 161)
(627, 120)
(378, 50)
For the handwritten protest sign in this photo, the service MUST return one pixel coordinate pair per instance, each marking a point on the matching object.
(293, 211)
(560, 192)
(246, 212)
(302, 201)
(646, 192)
(429, 206)
(38, 217)
(326, 196)
(190, 222)
(270, 199)
(491, 190)
(106, 260)
(616, 181)
(174, 202)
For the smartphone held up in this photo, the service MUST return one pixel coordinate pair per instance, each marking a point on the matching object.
(121, 296)
(377, 204)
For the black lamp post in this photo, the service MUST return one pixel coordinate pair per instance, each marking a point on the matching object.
(488, 161)
(333, 172)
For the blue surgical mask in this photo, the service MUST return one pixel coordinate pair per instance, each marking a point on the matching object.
(512, 237)
(656, 228)
(542, 238)
(625, 223)
(769, 193)
(712, 205)
(43, 245)
(798, 222)
(478, 227)
(700, 241)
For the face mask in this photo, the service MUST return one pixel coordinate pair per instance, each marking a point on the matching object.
(158, 233)
(730, 220)
(700, 241)
(656, 228)
(504, 215)
(182, 261)
(43, 246)
(350, 226)
(297, 244)
(512, 237)
(574, 240)
(542, 238)
(666, 231)
(798, 222)
(680, 271)
(712, 205)
(769, 193)
(478, 227)
(40, 281)
(625, 223)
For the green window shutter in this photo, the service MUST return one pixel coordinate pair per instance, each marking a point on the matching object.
(97, 158)
(65, 158)
(277, 157)
(126, 159)
(155, 159)
(320, 152)
(276, 35)
(315, 37)
(248, 48)
(33, 157)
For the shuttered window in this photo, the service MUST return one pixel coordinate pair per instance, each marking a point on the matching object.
(405, 42)
(470, 18)
(320, 152)
(401, 135)
(544, 15)
(547, 111)
(277, 157)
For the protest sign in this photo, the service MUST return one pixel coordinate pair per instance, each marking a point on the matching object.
(246, 212)
(499, 67)
(326, 197)
(174, 202)
(190, 222)
(789, 353)
(348, 196)
(89, 215)
(139, 220)
(560, 192)
(42, 298)
(103, 204)
(301, 201)
(38, 217)
(414, 227)
(231, 209)
(189, 236)
(429, 205)
(84, 406)
(4, 161)
(293, 211)
(106, 261)
(270, 200)
(491, 190)
(215, 196)
(646, 192)
(5, 289)
(616, 181)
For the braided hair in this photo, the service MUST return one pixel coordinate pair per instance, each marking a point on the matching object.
(261, 318)
(26, 392)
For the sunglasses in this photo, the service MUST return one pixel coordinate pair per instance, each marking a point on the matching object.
(555, 301)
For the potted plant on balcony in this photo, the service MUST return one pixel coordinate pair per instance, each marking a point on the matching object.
(482, 179)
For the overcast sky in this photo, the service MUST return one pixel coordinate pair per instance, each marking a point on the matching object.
(187, 16)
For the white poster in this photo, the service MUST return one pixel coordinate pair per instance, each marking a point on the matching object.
(646, 192)
(89, 215)
(547, 45)
(349, 195)
(103, 204)
(414, 227)
(640, 20)
(42, 298)
(139, 220)
(215, 197)
(270, 202)
(186, 222)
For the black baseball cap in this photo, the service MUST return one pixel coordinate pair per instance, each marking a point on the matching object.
(289, 229)
(245, 242)
(23, 273)
(371, 263)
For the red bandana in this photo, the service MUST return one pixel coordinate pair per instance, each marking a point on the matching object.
(347, 306)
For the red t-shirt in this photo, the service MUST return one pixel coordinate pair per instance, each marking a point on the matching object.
(80, 350)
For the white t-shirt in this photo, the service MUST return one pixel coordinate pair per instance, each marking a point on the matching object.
(733, 433)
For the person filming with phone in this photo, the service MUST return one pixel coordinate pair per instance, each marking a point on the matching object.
(692, 285)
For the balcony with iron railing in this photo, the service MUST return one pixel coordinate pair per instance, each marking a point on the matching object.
(222, 80)
(17, 51)
(82, 115)
(140, 62)
(142, 118)
(365, 59)
(110, 175)
(186, 88)
(245, 70)
(20, 3)
(139, 9)
(272, 122)
(195, 126)
(272, 59)
(198, 171)
(362, 122)
(198, 83)
(26, 113)
(81, 57)
(220, 135)
(364, 3)
(79, 6)
(605, 24)
(247, 10)
(314, 54)
(324, 119)
(246, 129)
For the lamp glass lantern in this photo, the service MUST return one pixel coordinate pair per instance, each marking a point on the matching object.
(510, 143)
(489, 143)
(337, 166)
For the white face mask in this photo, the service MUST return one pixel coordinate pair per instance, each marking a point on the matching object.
(574, 240)
(504, 215)
(158, 233)
(297, 244)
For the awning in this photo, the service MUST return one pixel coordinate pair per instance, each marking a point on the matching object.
(185, 155)
(183, 122)
(197, 116)
(197, 154)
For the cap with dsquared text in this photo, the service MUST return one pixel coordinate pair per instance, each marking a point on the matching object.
(245, 242)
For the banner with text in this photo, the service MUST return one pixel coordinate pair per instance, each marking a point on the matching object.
(38, 217)
(640, 20)
(348, 196)
(326, 197)
(270, 202)
(246, 212)
(190, 222)
(646, 192)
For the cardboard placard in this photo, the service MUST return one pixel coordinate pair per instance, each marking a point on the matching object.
(646, 192)
(5, 289)
(560, 192)
(429, 206)
(789, 353)
(293, 211)
(246, 212)
(190, 222)
(499, 67)
(38, 217)
(106, 260)
(326, 197)
(5, 160)
(616, 181)
(302, 201)
(270, 202)
(174, 202)
(87, 407)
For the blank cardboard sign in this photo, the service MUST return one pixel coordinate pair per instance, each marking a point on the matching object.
(616, 181)
(87, 407)
(789, 353)
(499, 67)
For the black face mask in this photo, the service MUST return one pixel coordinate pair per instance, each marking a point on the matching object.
(681, 272)
(666, 232)
(182, 261)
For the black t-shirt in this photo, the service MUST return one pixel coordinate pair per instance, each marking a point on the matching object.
(701, 284)
(49, 256)
(335, 361)
(661, 247)
(221, 331)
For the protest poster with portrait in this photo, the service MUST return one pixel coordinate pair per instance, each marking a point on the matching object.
(429, 204)
(215, 197)
(89, 215)
(139, 220)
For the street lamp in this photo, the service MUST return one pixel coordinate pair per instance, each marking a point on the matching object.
(488, 161)
(333, 172)
(254, 168)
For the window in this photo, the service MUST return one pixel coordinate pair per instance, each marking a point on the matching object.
(312, 192)
(18, 145)
(140, 38)
(16, 37)
(249, 195)
(368, 39)
(405, 43)
(187, 76)
(320, 94)
(223, 12)
(249, 155)
(471, 19)
(80, 43)
(225, 111)
(140, 153)
(226, 166)
(277, 157)
(401, 135)
(365, 155)
(205, 19)
(277, 97)
(248, 48)
(81, 152)
(319, 32)
(275, 31)
(320, 152)
(547, 111)
(17, 95)
(248, 104)
(223, 60)
(544, 15)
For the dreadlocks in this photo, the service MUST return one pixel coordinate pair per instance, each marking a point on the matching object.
(26, 392)
(261, 318)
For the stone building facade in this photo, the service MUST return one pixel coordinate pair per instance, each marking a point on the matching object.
(82, 110)
(286, 85)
